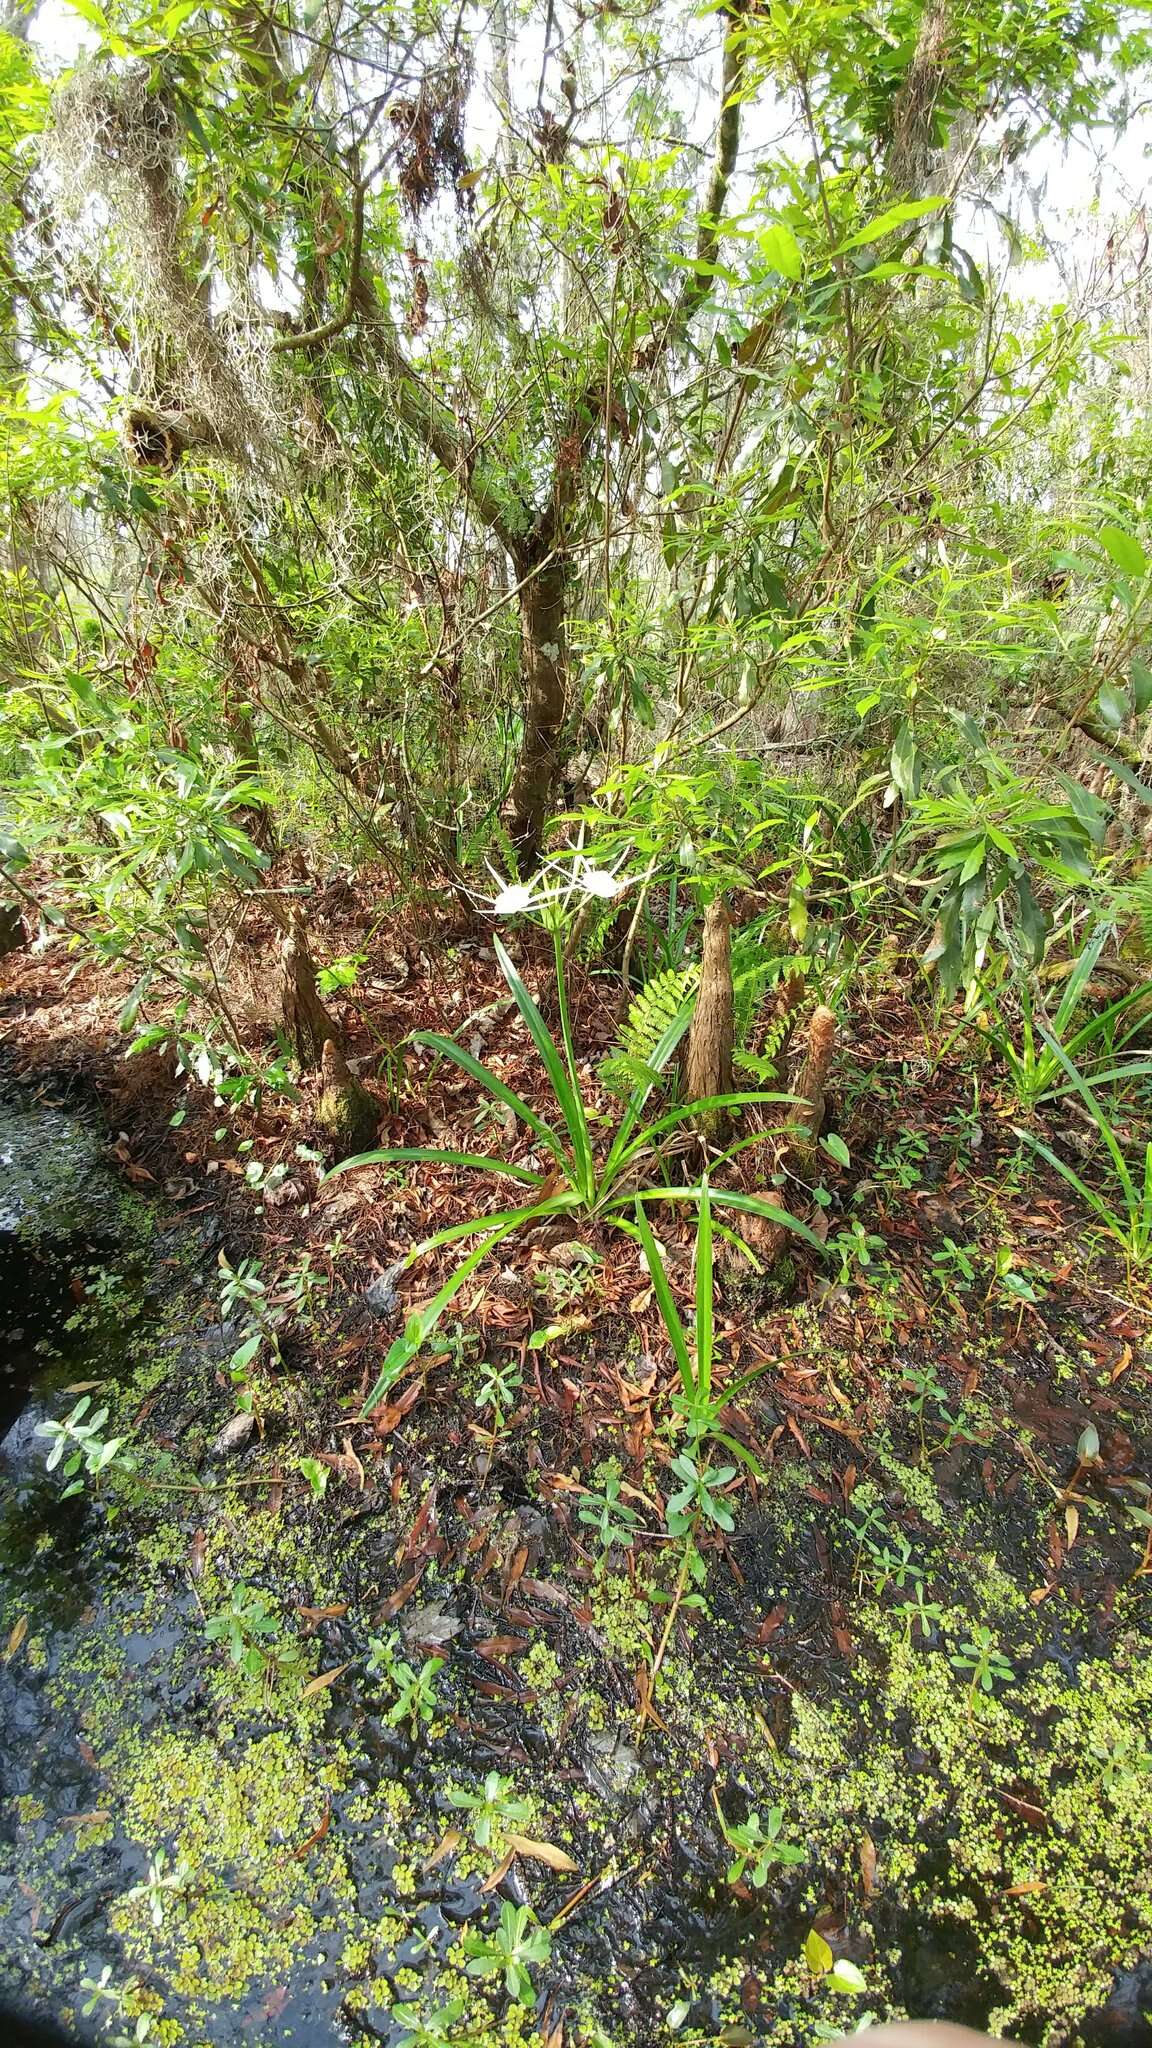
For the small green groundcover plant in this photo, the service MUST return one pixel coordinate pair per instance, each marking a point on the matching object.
(579, 1181)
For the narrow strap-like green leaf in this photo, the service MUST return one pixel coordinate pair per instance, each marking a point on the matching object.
(1096, 1203)
(703, 1293)
(623, 1151)
(394, 1153)
(748, 1205)
(1098, 1116)
(567, 1095)
(419, 1327)
(665, 1048)
(449, 1049)
(665, 1303)
(556, 1206)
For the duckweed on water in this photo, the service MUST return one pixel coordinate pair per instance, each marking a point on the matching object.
(1012, 1835)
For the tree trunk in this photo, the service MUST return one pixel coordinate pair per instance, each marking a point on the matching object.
(543, 601)
(808, 1088)
(306, 1021)
(798, 1146)
(711, 1034)
(346, 1111)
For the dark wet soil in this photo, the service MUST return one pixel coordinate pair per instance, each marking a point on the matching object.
(323, 1832)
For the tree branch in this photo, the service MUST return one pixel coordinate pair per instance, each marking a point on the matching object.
(724, 163)
(329, 329)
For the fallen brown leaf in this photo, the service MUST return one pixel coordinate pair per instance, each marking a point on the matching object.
(770, 1624)
(541, 1852)
(445, 1847)
(496, 1877)
(325, 1679)
(318, 1833)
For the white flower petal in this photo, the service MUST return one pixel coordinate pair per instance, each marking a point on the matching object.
(513, 896)
(599, 882)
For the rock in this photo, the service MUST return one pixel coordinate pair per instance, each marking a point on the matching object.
(380, 1294)
(13, 935)
(234, 1435)
(429, 1627)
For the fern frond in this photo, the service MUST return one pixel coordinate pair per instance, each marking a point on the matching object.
(754, 973)
(621, 1074)
(1133, 908)
(761, 1067)
(654, 1007)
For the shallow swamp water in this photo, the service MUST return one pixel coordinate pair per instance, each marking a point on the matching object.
(276, 1857)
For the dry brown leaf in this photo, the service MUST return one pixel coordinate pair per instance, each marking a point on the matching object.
(1021, 1891)
(1071, 1523)
(445, 1847)
(325, 1679)
(1122, 1363)
(391, 1414)
(541, 1852)
(552, 2029)
(496, 1877)
(771, 1623)
(1034, 1815)
(498, 1647)
(868, 1864)
(319, 1832)
(17, 1636)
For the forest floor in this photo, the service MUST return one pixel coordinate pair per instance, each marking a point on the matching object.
(933, 1515)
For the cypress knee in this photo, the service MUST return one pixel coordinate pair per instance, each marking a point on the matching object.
(305, 1019)
(708, 1070)
(808, 1112)
(348, 1113)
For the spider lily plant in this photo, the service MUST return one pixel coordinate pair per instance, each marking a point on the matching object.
(578, 1180)
(1127, 1219)
(1034, 1065)
(694, 1349)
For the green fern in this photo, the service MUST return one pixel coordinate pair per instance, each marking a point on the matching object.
(1133, 905)
(621, 1073)
(652, 1009)
(753, 973)
(762, 1065)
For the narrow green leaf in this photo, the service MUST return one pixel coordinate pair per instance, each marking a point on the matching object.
(747, 1205)
(393, 1154)
(419, 1327)
(1123, 549)
(450, 1050)
(704, 1328)
(567, 1096)
(892, 217)
(92, 14)
(668, 1311)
